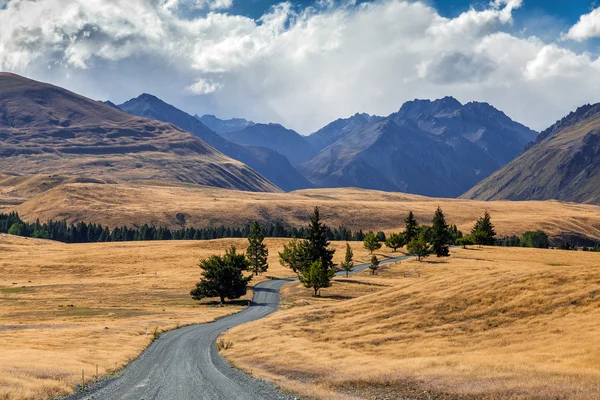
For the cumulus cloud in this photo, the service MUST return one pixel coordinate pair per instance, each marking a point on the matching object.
(587, 27)
(301, 68)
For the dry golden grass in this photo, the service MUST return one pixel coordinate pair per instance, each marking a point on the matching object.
(160, 203)
(64, 308)
(492, 323)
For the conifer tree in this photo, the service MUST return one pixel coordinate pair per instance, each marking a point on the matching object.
(374, 264)
(348, 264)
(483, 231)
(440, 234)
(257, 251)
(411, 230)
(222, 277)
(371, 242)
(395, 241)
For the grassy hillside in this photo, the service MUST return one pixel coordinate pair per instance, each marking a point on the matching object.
(64, 308)
(487, 323)
(166, 204)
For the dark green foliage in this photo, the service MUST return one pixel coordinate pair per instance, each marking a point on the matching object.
(17, 229)
(348, 264)
(419, 247)
(381, 236)
(440, 235)
(89, 233)
(257, 251)
(311, 258)
(509, 241)
(374, 264)
(537, 239)
(222, 277)
(465, 241)
(371, 242)
(483, 232)
(395, 241)
(411, 229)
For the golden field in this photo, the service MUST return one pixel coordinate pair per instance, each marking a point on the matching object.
(489, 323)
(174, 205)
(64, 308)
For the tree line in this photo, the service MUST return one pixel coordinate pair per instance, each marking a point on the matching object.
(82, 232)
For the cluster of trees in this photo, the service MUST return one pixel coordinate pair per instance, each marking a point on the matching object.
(223, 276)
(540, 240)
(482, 234)
(91, 233)
(420, 240)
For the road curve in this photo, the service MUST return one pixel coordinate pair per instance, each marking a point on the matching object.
(185, 363)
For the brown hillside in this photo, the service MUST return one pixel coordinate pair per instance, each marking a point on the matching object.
(194, 206)
(48, 130)
(563, 164)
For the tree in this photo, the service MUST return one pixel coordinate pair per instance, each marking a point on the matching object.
(311, 258)
(465, 241)
(374, 264)
(348, 264)
(371, 242)
(257, 251)
(395, 241)
(412, 227)
(222, 276)
(440, 234)
(485, 230)
(381, 236)
(419, 247)
(537, 239)
(17, 229)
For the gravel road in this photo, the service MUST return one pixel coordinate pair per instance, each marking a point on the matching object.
(185, 364)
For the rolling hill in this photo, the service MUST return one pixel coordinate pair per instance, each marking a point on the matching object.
(49, 130)
(435, 148)
(563, 163)
(269, 163)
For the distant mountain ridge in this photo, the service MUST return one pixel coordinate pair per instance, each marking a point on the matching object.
(222, 126)
(266, 162)
(434, 148)
(339, 128)
(276, 137)
(563, 163)
(49, 130)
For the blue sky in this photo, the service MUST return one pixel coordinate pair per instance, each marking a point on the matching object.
(567, 11)
(536, 60)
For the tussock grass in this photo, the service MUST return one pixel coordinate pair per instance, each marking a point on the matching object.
(75, 306)
(490, 323)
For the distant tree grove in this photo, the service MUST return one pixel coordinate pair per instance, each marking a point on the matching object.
(82, 232)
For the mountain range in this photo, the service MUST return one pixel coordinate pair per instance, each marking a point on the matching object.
(563, 163)
(436, 148)
(267, 162)
(49, 130)
(439, 148)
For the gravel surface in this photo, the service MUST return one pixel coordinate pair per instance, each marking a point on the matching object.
(185, 363)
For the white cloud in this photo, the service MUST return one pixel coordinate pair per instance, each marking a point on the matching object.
(199, 4)
(204, 86)
(587, 27)
(300, 68)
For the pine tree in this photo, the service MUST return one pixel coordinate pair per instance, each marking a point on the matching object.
(257, 251)
(311, 258)
(440, 234)
(483, 231)
(395, 241)
(374, 264)
(348, 264)
(222, 277)
(419, 247)
(412, 227)
(371, 242)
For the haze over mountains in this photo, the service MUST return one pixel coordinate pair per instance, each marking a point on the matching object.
(49, 130)
(563, 163)
(267, 162)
